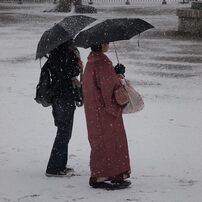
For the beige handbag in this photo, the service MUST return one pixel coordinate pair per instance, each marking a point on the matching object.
(121, 95)
(136, 102)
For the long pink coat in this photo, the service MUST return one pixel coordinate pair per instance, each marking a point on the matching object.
(106, 133)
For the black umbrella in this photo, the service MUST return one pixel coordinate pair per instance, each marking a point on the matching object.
(61, 32)
(111, 30)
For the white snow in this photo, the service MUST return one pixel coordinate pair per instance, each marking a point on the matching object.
(164, 139)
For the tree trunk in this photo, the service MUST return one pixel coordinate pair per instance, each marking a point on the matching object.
(64, 5)
(77, 2)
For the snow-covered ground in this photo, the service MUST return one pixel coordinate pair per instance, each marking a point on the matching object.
(164, 139)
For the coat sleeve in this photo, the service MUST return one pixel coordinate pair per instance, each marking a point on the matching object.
(107, 81)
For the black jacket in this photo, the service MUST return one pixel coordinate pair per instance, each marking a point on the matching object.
(63, 65)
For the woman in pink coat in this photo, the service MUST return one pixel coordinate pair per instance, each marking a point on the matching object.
(109, 159)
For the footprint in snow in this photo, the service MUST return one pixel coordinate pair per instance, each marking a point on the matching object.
(184, 182)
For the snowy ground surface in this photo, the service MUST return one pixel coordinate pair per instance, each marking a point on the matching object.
(164, 139)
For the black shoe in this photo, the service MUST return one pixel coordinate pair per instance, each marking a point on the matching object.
(102, 185)
(68, 172)
(56, 174)
(121, 184)
(109, 186)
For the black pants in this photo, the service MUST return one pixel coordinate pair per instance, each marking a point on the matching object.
(63, 113)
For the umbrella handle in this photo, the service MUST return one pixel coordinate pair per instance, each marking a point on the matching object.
(116, 53)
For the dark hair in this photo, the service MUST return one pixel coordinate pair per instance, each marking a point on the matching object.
(97, 48)
(61, 49)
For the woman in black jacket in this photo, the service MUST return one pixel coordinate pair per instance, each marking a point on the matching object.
(64, 64)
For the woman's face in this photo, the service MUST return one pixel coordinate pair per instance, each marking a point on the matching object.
(105, 47)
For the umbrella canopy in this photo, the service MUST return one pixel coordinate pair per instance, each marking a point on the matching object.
(111, 30)
(61, 32)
